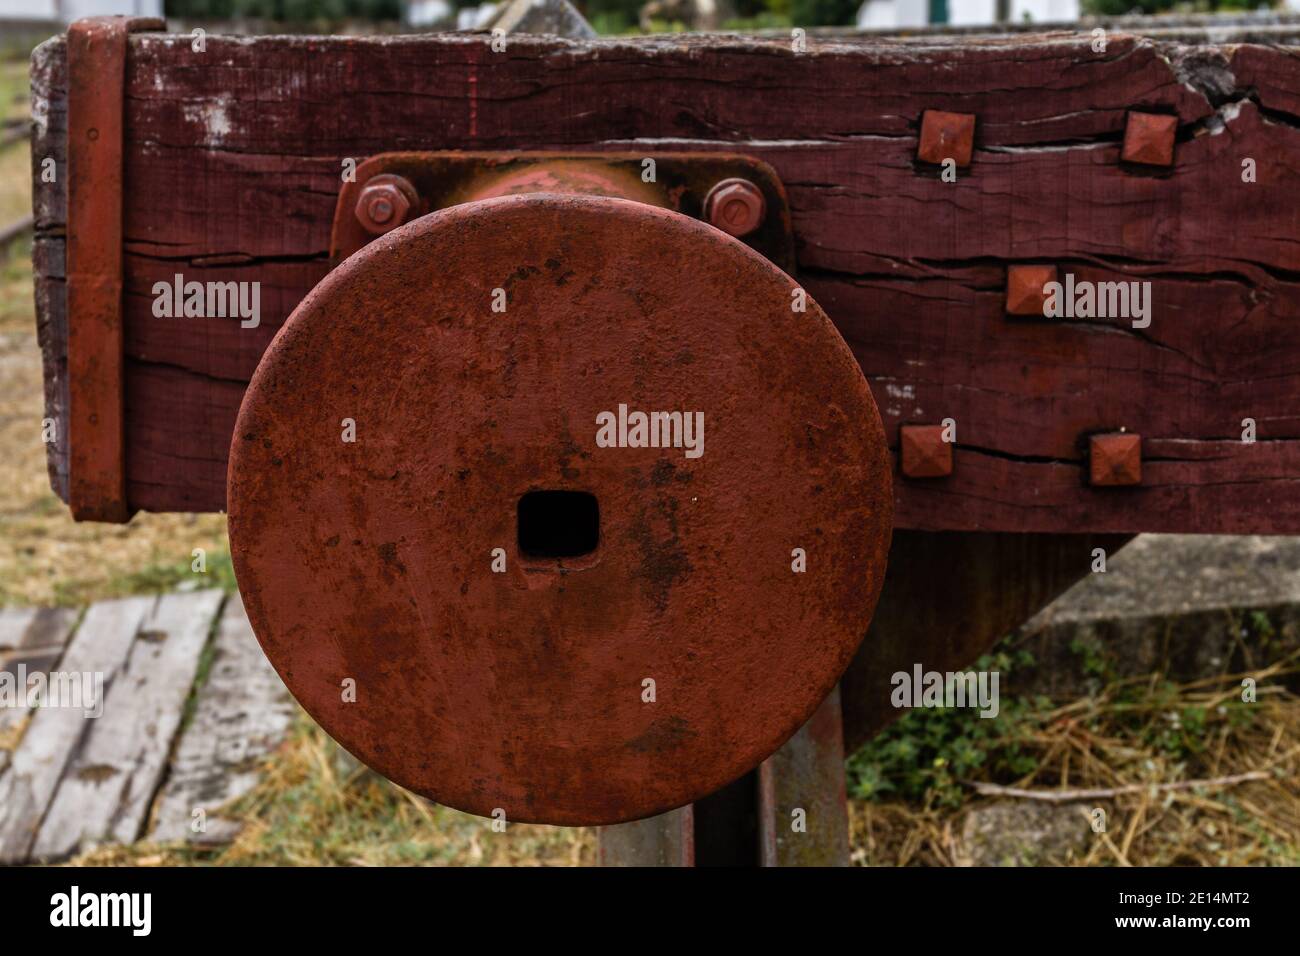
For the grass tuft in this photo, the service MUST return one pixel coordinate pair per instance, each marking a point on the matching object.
(911, 785)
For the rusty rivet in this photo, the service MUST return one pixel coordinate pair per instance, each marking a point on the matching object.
(384, 202)
(1149, 139)
(946, 136)
(1025, 295)
(736, 206)
(925, 453)
(1115, 459)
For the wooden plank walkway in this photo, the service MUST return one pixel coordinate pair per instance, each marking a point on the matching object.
(242, 714)
(106, 755)
(34, 637)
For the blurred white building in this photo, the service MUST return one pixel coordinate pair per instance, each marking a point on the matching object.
(888, 14)
(65, 11)
(475, 18)
(427, 13)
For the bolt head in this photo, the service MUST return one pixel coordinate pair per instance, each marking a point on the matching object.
(382, 207)
(1025, 295)
(946, 136)
(1149, 139)
(736, 206)
(1115, 459)
(924, 452)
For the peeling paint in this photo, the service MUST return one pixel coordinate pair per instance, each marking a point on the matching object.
(213, 117)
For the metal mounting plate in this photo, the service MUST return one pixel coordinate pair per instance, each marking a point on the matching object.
(681, 183)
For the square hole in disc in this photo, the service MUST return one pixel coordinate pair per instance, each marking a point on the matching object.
(558, 524)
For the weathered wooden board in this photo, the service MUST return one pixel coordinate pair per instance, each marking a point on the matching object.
(803, 817)
(242, 713)
(14, 622)
(233, 160)
(109, 785)
(34, 638)
(100, 646)
(664, 840)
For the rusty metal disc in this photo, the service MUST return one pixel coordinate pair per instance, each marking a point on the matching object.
(367, 566)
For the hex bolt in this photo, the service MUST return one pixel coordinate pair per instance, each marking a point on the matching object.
(946, 136)
(924, 452)
(1025, 295)
(736, 206)
(1149, 139)
(384, 202)
(1115, 459)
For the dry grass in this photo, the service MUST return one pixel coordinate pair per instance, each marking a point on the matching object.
(1112, 741)
(15, 175)
(46, 557)
(15, 158)
(316, 806)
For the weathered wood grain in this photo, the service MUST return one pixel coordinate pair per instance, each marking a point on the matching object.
(803, 817)
(233, 168)
(50, 628)
(50, 211)
(242, 713)
(664, 840)
(100, 646)
(109, 785)
(34, 638)
(14, 622)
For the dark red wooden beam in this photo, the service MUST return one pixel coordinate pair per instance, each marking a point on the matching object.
(233, 161)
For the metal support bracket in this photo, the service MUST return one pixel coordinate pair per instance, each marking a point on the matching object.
(97, 49)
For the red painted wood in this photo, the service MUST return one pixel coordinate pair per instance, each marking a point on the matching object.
(233, 169)
(96, 433)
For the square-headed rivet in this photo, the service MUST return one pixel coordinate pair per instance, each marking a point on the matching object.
(925, 453)
(1115, 459)
(946, 136)
(1025, 295)
(1149, 139)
